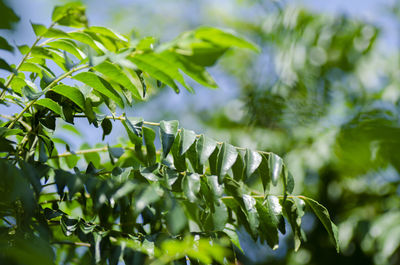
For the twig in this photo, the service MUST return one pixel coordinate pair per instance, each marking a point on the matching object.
(7, 84)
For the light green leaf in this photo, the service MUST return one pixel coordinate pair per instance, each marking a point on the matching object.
(100, 85)
(187, 139)
(71, 93)
(168, 131)
(216, 188)
(226, 158)
(159, 69)
(205, 147)
(85, 39)
(191, 186)
(107, 32)
(67, 46)
(39, 29)
(323, 215)
(224, 38)
(50, 104)
(71, 15)
(117, 75)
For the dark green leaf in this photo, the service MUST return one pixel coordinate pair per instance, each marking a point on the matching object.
(191, 186)
(269, 221)
(106, 125)
(226, 158)
(50, 104)
(71, 93)
(135, 125)
(187, 139)
(4, 45)
(149, 136)
(168, 131)
(253, 160)
(323, 215)
(205, 147)
(5, 66)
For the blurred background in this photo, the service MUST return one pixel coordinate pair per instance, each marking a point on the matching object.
(323, 93)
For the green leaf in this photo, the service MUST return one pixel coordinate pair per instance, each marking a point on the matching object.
(269, 211)
(71, 15)
(50, 104)
(197, 72)
(168, 131)
(294, 212)
(28, 92)
(149, 136)
(226, 158)
(160, 71)
(39, 29)
(4, 45)
(23, 49)
(218, 217)
(191, 186)
(68, 46)
(253, 160)
(223, 38)
(72, 93)
(69, 225)
(116, 74)
(176, 218)
(323, 215)
(41, 52)
(85, 39)
(187, 139)
(179, 160)
(5, 66)
(135, 125)
(205, 146)
(36, 68)
(238, 169)
(106, 125)
(275, 167)
(251, 212)
(126, 188)
(216, 188)
(100, 85)
(107, 32)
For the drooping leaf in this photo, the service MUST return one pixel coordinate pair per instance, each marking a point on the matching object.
(269, 221)
(67, 46)
(251, 213)
(253, 160)
(323, 215)
(176, 218)
(4, 45)
(149, 136)
(226, 158)
(168, 131)
(135, 125)
(71, 93)
(205, 146)
(275, 166)
(191, 186)
(92, 157)
(187, 139)
(106, 125)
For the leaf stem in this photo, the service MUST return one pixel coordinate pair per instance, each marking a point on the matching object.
(80, 244)
(55, 81)
(7, 84)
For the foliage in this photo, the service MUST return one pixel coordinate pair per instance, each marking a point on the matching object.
(129, 202)
(326, 98)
